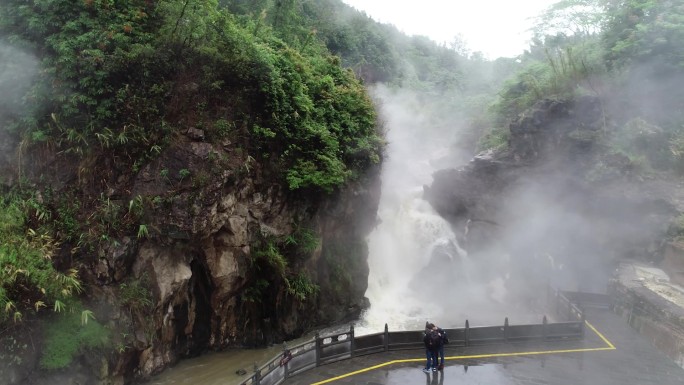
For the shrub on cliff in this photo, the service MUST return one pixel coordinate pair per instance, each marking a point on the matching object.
(28, 280)
(68, 336)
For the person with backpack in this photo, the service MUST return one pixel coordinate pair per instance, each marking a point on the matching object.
(428, 348)
(444, 341)
(432, 341)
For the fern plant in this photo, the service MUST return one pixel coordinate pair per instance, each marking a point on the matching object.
(28, 280)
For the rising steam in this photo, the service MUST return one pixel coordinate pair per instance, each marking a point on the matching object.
(17, 71)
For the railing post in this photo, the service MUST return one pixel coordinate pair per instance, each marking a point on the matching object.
(505, 332)
(257, 374)
(286, 367)
(318, 350)
(467, 333)
(583, 320)
(352, 343)
(386, 339)
(544, 331)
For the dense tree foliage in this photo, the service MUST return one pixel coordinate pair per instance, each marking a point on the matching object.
(644, 31)
(110, 77)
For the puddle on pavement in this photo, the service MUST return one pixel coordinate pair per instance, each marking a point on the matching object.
(456, 374)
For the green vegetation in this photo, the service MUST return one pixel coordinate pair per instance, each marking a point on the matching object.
(676, 230)
(67, 335)
(643, 142)
(622, 52)
(304, 240)
(28, 280)
(302, 288)
(266, 254)
(136, 294)
(109, 84)
(255, 291)
(272, 258)
(494, 138)
(565, 73)
(644, 31)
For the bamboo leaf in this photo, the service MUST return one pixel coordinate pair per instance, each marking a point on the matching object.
(59, 306)
(85, 315)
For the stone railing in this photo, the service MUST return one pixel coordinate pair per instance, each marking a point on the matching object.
(326, 349)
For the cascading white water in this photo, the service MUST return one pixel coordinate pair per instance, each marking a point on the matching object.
(410, 230)
(418, 272)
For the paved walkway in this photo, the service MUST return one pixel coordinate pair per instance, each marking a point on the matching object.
(610, 354)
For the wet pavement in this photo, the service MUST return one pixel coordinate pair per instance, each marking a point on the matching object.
(611, 353)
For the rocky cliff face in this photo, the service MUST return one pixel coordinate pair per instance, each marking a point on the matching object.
(209, 289)
(211, 218)
(556, 205)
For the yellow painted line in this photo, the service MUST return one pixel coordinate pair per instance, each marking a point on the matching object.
(599, 334)
(492, 355)
(361, 371)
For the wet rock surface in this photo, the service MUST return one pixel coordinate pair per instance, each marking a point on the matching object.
(201, 263)
(652, 304)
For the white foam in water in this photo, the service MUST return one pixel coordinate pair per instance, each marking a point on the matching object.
(399, 248)
(418, 271)
(402, 244)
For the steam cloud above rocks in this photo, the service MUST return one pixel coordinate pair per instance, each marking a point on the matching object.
(499, 229)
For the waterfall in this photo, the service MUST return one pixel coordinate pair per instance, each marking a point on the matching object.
(410, 235)
(417, 270)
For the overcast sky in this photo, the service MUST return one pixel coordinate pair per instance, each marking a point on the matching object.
(495, 27)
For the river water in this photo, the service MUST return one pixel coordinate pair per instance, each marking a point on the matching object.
(418, 272)
(216, 368)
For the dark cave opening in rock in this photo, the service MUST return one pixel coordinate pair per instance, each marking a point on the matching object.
(200, 289)
(180, 315)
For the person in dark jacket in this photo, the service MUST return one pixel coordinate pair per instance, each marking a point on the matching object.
(444, 340)
(432, 341)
